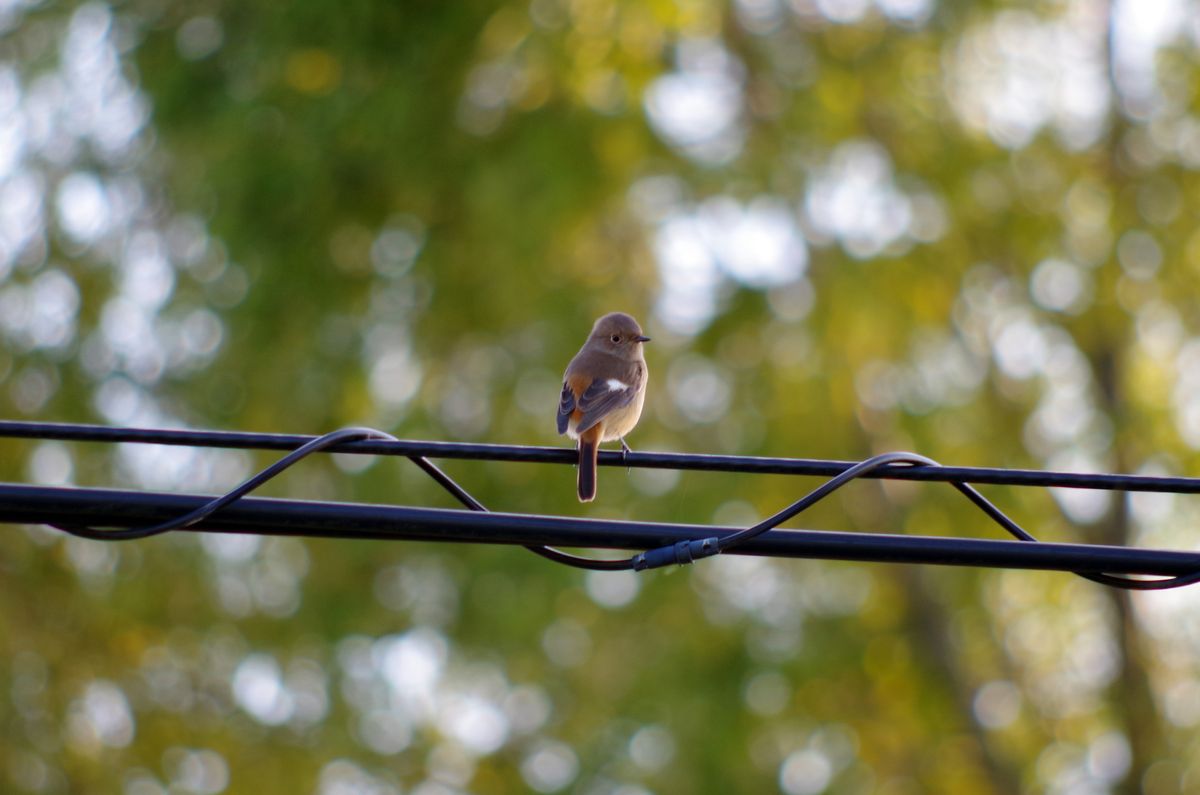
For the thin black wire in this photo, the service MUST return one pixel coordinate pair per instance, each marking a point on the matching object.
(408, 448)
(887, 464)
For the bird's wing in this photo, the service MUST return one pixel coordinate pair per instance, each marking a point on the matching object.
(566, 404)
(605, 395)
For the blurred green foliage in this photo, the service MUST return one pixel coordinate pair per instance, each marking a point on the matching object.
(966, 229)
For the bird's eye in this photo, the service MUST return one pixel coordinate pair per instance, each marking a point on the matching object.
(615, 338)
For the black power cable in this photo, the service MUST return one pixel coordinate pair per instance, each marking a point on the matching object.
(367, 440)
(250, 515)
(561, 455)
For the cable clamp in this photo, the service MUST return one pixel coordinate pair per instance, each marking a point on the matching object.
(680, 553)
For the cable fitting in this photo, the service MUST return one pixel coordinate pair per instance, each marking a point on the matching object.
(681, 554)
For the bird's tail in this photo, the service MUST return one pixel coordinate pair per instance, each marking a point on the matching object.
(589, 449)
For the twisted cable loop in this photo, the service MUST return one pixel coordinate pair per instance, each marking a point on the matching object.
(250, 484)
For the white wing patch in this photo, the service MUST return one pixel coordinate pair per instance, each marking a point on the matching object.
(616, 385)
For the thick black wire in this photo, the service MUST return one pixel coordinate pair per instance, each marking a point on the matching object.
(869, 466)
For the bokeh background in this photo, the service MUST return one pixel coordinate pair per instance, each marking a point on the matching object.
(965, 228)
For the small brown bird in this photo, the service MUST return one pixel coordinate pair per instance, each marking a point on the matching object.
(603, 391)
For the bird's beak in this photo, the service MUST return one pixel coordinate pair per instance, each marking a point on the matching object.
(640, 338)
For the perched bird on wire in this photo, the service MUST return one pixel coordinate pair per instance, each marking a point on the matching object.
(603, 391)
